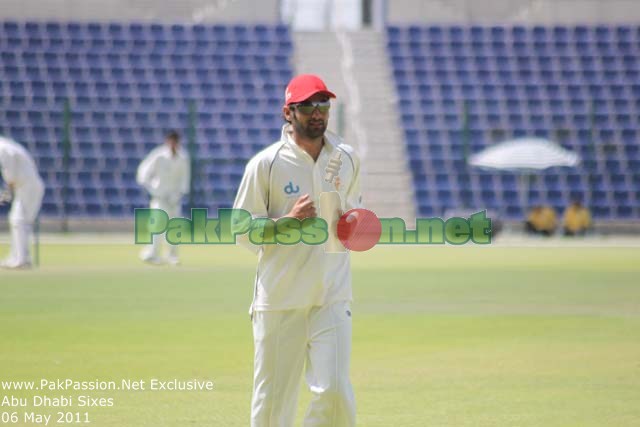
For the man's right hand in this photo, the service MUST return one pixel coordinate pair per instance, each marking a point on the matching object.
(303, 208)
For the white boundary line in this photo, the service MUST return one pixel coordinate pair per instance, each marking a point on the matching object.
(501, 241)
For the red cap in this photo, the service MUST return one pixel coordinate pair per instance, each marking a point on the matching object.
(303, 87)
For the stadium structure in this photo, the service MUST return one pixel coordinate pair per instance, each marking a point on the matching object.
(90, 86)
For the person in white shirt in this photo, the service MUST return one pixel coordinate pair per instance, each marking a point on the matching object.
(166, 174)
(301, 311)
(24, 189)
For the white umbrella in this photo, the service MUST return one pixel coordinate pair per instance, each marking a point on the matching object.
(524, 154)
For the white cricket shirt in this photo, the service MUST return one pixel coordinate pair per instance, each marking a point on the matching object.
(17, 165)
(299, 275)
(164, 175)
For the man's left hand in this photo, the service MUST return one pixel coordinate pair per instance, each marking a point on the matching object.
(6, 196)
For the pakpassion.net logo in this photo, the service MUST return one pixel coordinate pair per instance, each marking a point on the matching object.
(356, 229)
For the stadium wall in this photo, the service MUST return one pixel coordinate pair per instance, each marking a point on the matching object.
(398, 11)
(514, 11)
(195, 11)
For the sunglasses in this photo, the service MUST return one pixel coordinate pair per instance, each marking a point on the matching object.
(308, 107)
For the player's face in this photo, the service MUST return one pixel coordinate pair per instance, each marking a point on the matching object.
(173, 144)
(312, 124)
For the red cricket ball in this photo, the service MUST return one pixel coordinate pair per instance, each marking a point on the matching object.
(359, 229)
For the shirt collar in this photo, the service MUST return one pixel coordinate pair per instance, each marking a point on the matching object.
(327, 148)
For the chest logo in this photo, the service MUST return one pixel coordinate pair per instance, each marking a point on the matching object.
(290, 189)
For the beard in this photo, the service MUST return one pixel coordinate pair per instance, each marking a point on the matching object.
(314, 128)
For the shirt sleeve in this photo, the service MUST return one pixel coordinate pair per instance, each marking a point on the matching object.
(252, 196)
(9, 167)
(186, 175)
(143, 175)
(146, 171)
(354, 194)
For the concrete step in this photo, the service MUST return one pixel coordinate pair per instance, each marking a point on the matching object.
(380, 163)
(387, 208)
(387, 185)
(383, 195)
(376, 94)
(387, 180)
(387, 101)
(380, 154)
(386, 176)
(381, 144)
(376, 90)
(391, 202)
(382, 134)
(388, 145)
(378, 197)
(381, 160)
(384, 146)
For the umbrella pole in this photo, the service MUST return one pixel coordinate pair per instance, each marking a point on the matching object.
(526, 194)
(523, 184)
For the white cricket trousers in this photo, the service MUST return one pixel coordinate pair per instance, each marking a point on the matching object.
(24, 211)
(285, 341)
(173, 210)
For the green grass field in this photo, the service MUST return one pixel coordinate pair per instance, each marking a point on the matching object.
(443, 336)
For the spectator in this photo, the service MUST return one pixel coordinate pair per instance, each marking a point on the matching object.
(577, 219)
(541, 220)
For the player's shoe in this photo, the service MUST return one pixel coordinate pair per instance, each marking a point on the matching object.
(151, 259)
(173, 260)
(15, 265)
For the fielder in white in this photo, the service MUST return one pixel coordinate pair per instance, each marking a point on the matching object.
(165, 173)
(301, 310)
(24, 189)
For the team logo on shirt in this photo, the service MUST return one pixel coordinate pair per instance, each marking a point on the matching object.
(332, 171)
(336, 182)
(290, 189)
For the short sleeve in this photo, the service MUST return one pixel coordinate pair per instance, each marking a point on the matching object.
(354, 194)
(9, 167)
(252, 195)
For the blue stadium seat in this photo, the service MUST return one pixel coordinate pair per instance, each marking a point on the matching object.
(126, 83)
(521, 81)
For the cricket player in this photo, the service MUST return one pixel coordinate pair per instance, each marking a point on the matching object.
(165, 173)
(301, 310)
(24, 189)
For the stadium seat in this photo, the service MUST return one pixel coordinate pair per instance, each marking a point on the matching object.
(521, 81)
(126, 83)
